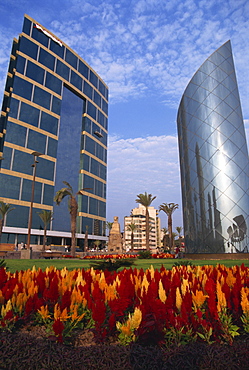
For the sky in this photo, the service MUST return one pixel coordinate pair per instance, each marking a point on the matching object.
(146, 51)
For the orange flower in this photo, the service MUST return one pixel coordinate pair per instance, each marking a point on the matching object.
(43, 311)
(244, 300)
(198, 299)
(222, 303)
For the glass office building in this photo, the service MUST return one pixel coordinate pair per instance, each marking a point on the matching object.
(55, 104)
(214, 159)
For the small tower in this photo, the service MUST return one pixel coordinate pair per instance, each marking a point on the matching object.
(115, 238)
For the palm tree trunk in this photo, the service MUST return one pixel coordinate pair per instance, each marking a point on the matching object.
(147, 230)
(170, 232)
(86, 240)
(44, 238)
(73, 211)
(132, 241)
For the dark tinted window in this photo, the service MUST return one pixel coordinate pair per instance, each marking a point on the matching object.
(10, 186)
(22, 88)
(23, 162)
(26, 26)
(53, 83)
(49, 123)
(71, 58)
(88, 90)
(37, 141)
(93, 79)
(96, 98)
(48, 195)
(45, 169)
(52, 147)
(35, 72)
(62, 70)
(7, 153)
(57, 49)
(83, 69)
(20, 64)
(15, 134)
(27, 189)
(56, 105)
(28, 47)
(46, 59)
(14, 104)
(40, 36)
(91, 110)
(42, 97)
(76, 80)
(29, 114)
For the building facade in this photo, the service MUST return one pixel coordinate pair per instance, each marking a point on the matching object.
(214, 159)
(57, 105)
(138, 218)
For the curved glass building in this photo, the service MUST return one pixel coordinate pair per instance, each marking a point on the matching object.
(57, 105)
(214, 159)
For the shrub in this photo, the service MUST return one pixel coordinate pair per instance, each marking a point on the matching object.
(144, 255)
(111, 264)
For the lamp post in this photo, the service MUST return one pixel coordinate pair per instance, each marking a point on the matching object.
(35, 154)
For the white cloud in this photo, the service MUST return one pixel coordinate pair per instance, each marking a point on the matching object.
(142, 164)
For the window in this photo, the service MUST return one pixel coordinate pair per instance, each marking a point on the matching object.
(42, 97)
(40, 36)
(48, 195)
(20, 64)
(52, 147)
(15, 134)
(53, 83)
(49, 123)
(22, 88)
(29, 114)
(26, 26)
(93, 78)
(91, 110)
(76, 80)
(71, 58)
(27, 189)
(35, 72)
(10, 186)
(46, 59)
(28, 47)
(62, 70)
(56, 105)
(88, 90)
(14, 104)
(57, 49)
(83, 69)
(36, 141)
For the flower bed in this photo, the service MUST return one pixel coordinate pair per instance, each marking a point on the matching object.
(185, 304)
(125, 256)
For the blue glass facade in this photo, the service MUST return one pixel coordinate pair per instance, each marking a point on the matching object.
(214, 159)
(55, 104)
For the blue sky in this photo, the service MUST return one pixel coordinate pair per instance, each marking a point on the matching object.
(146, 51)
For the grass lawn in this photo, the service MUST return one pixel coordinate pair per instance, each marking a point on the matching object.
(71, 264)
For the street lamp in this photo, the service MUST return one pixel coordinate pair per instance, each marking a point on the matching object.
(35, 154)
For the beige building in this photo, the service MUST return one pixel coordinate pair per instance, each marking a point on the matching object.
(137, 217)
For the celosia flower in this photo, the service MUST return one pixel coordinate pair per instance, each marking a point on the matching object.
(244, 300)
(221, 298)
(44, 312)
(161, 292)
(178, 299)
(198, 299)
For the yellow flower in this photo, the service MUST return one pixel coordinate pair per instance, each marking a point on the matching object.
(144, 285)
(222, 303)
(178, 299)
(161, 292)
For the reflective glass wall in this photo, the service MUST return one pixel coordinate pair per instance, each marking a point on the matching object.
(54, 104)
(214, 159)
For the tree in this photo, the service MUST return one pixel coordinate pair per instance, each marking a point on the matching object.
(5, 208)
(73, 209)
(109, 226)
(46, 217)
(179, 230)
(164, 230)
(169, 208)
(132, 227)
(146, 200)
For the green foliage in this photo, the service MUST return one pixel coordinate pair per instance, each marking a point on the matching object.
(111, 264)
(144, 255)
(2, 263)
(178, 336)
(182, 263)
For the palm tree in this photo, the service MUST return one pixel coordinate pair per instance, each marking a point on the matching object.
(169, 208)
(109, 226)
(73, 209)
(179, 230)
(164, 230)
(132, 227)
(5, 208)
(46, 217)
(146, 200)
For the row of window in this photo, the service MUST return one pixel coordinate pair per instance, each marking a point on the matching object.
(91, 146)
(93, 129)
(18, 161)
(27, 138)
(92, 206)
(63, 53)
(20, 189)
